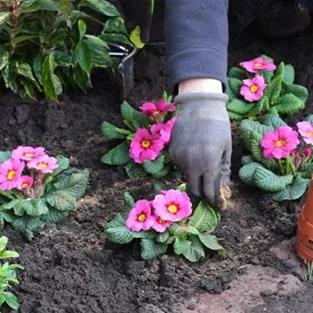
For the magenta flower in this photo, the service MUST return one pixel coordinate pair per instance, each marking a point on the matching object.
(145, 146)
(164, 130)
(44, 164)
(305, 129)
(24, 183)
(160, 225)
(27, 153)
(280, 143)
(153, 109)
(252, 89)
(139, 218)
(172, 205)
(258, 64)
(10, 173)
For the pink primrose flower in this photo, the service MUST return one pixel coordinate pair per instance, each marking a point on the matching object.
(153, 109)
(164, 130)
(160, 225)
(305, 129)
(139, 218)
(27, 153)
(10, 173)
(44, 164)
(252, 89)
(172, 205)
(257, 65)
(280, 143)
(145, 146)
(24, 183)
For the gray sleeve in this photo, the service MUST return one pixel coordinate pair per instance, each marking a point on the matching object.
(196, 37)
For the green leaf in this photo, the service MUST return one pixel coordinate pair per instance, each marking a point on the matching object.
(3, 243)
(268, 75)
(63, 164)
(165, 170)
(54, 216)
(117, 232)
(210, 241)
(4, 17)
(235, 85)
(74, 184)
(11, 300)
(151, 250)
(299, 91)
(27, 224)
(82, 29)
(112, 132)
(115, 25)
(247, 171)
(81, 78)
(163, 237)
(118, 155)
(204, 218)
(132, 115)
(97, 41)
(8, 254)
(247, 159)
(196, 250)
(48, 79)
(4, 57)
(273, 89)
(61, 201)
(129, 203)
(103, 7)
(267, 180)
(83, 57)
(26, 71)
(236, 72)
(292, 192)
(5, 155)
(65, 7)
(239, 106)
(234, 116)
(274, 122)
(181, 245)
(135, 170)
(289, 104)
(32, 207)
(135, 37)
(117, 38)
(154, 167)
(258, 107)
(280, 70)
(289, 75)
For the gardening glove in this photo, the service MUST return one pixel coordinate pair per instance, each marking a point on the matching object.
(201, 144)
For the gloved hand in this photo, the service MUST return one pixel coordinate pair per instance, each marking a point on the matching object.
(201, 144)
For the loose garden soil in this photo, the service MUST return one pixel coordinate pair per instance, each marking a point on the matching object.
(74, 269)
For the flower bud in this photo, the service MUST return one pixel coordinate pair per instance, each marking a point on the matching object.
(307, 152)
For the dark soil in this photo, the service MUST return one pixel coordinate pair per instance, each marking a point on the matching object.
(73, 269)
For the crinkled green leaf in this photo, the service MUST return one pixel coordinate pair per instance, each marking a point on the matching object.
(236, 72)
(5, 155)
(289, 104)
(112, 132)
(246, 126)
(289, 75)
(235, 117)
(151, 250)
(247, 171)
(129, 203)
(134, 170)
(63, 164)
(274, 122)
(239, 106)
(154, 167)
(195, 252)
(258, 107)
(247, 159)
(118, 155)
(132, 115)
(273, 89)
(181, 245)
(292, 192)
(210, 241)
(61, 201)
(162, 237)
(235, 85)
(299, 91)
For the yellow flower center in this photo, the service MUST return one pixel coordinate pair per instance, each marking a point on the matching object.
(42, 165)
(156, 112)
(25, 185)
(257, 64)
(141, 217)
(173, 208)
(254, 88)
(160, 221)
(11, 174)
(279, 143)
(29, 155)
(310, 133)
(146, 144)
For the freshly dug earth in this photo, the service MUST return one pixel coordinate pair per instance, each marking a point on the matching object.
(74, 269)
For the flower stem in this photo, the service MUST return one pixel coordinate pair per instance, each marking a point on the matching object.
(281, 167)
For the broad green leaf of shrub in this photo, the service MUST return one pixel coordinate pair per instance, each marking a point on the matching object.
(210, 241)
(293, 191)
(268, 181)
(289, 104)
(151, 250)
(118, 155)
(289, 75)
(181, 245)
(8, 254)
(48, 78)
(4, 17)
(103, 7)
(239, 106)
(204, 218)
(196, 251)
(299, 91)
(154, 167)
(11, 300)
(83, 56)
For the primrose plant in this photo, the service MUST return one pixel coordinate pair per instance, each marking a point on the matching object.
(36, 189)
(8, 276)
(145, 139)
(281, 156)
(259, 87)
(171, 218)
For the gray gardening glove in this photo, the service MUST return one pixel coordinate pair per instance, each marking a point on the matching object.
(201, 144)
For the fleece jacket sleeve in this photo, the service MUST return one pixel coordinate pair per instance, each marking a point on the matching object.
(196, 37)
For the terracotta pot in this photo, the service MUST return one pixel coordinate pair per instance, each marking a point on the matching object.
(304, 242)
